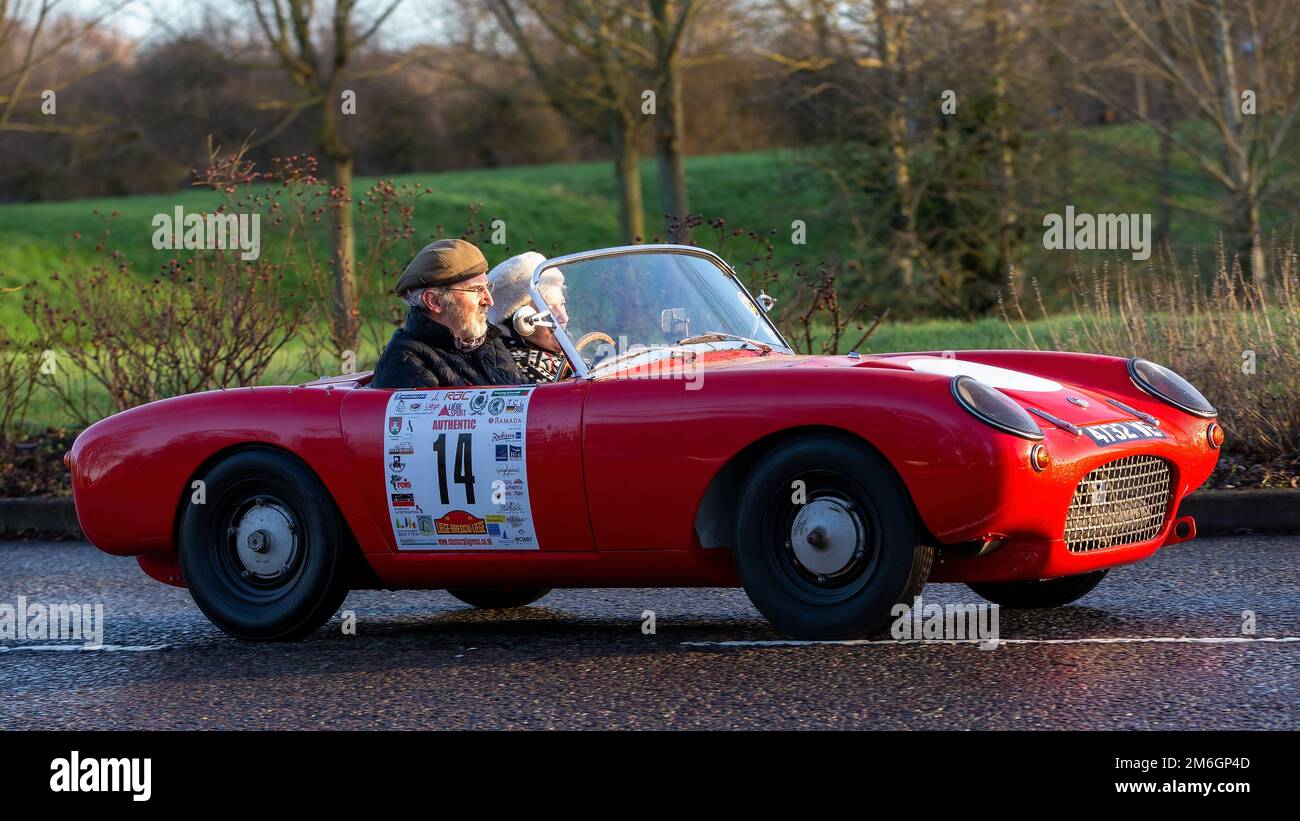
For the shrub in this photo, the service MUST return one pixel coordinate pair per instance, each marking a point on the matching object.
(18, 365)
(1237, 338)
(811, 311)
(208, 319)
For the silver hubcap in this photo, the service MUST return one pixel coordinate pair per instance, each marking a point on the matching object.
(827, 536)
(266, 540)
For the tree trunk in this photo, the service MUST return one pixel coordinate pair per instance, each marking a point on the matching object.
(1249, 243)
(669, 120)
(1165, 188)
(1164, 113)
(673, 196)
(891, 34)
(1251, 235)
(345, 324)
(1062, 76)
(627, 173)
(996, 24)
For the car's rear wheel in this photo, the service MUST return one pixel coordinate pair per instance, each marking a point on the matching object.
(265, 555)
(498, 598)
(1031, 595)
(826, 540)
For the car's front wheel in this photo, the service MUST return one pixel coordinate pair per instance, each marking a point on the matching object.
(826, 540)
(498, 598)
(1031, 595)
(265, 554)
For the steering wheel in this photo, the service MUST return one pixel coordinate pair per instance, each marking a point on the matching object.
(587, 339)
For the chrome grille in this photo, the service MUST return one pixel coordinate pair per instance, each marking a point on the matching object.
(1122, 502)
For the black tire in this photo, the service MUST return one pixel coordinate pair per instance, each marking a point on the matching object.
(1034, 595)
(304, 539)
(851, 490)
(498, 598)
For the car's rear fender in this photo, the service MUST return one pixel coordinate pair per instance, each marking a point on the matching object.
(134, 472)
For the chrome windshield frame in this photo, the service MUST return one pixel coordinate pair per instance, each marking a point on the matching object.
(562, 335)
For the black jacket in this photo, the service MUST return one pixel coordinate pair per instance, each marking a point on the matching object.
(423, 354)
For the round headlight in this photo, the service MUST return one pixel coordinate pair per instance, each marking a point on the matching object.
(1168, 386)
(994, 407)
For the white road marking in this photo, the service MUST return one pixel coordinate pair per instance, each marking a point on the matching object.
(1101, 640)
(81, 648)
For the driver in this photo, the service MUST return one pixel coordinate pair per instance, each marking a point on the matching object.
(538, 355)
(446, 340)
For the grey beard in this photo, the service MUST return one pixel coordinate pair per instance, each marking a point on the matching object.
(469, 328)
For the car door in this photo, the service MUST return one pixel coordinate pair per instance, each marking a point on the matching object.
(650, 448)
(479, 469)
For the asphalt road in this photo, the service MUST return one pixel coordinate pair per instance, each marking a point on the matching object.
(580, 659)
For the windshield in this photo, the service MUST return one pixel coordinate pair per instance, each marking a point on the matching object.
(641, 302)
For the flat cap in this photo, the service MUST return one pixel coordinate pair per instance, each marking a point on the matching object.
(444, 262)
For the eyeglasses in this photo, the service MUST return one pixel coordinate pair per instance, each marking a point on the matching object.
(481, 290)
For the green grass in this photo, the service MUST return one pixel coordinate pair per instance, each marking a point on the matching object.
(563, 208)
(556, 208)
(288, 367)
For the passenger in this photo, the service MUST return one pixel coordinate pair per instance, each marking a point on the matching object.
(538, 355)
(446, 340)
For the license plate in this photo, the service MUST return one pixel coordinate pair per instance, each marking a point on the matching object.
(1117, 433)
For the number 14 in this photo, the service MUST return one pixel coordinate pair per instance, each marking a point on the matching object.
(462, 470)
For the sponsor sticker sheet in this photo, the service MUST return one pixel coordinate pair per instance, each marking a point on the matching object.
(455, 469)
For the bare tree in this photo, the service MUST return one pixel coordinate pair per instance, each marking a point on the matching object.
(891, 34)
(863, 52)
(318, 71)
(31, 38)
(998, 27)
(593, 80)
(669, 21)
(1234, 66)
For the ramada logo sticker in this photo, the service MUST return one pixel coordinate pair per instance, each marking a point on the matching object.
(460, 522)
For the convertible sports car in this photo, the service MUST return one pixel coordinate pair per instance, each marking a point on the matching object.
(684, 445)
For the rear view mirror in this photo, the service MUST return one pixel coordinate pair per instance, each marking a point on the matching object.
(674, 323)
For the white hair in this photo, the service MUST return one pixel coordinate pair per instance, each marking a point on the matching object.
(510, 282)
(415, 296)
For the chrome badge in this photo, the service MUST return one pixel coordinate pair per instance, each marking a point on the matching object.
(1077, 400)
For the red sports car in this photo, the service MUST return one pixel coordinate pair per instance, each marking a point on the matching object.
(684, 444)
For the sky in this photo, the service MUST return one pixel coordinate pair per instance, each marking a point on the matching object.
(145, 19)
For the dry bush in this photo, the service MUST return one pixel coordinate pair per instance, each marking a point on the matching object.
(208, 319)
(1237, 338)
(18, 365)
(385, 229)
(811, 312)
